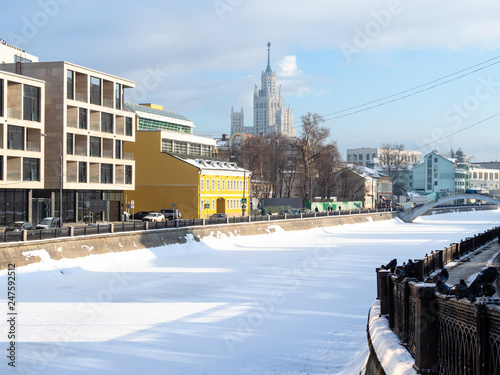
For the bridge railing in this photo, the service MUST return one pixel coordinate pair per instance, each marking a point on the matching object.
(446, 336)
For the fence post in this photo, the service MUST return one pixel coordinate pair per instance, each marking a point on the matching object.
(111, 228)
(482, 348)
(426, 329)
(72, 231)
(383, 290)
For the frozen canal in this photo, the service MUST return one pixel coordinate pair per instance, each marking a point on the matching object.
(282, 303)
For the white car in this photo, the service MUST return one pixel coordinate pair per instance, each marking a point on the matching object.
(154, 216)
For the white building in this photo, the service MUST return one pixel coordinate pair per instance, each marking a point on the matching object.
(441, 175)
(269, 113)
(370, 156)
(10, 54)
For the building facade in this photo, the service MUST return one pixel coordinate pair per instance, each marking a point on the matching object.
(11, 54)
(22, 123)
(86, 128)
(269, 113)
(441, 175)
(371, 157)
(196, 185)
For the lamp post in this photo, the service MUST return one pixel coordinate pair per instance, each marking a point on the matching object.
(60, 174)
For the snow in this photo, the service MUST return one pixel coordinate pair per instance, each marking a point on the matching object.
(277, 303)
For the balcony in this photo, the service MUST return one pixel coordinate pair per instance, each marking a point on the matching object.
(81, 151)
(128, 156)
(33, 146)
(14, 176)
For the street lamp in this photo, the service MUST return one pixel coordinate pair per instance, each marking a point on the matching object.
(60, 174)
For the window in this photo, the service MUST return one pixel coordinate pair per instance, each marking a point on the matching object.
(1, 167)
(208, 184)
(69, 144)
(107, 122)
(201, 184)
(31, 169)
(213, 184)
(95, 90)
(95, 146)
(118, 149)
(360, 157)
(213, 204)
(82, 118)
(128, 174)
(218, 185)
(223, 185)
(31, 103)
(201, 204)
(70, 80)
(128, 126)
(118, 98)
(82, 172)
(106, 173)
(15, 137)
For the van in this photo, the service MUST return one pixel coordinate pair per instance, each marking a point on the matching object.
(171, 213)
(49, 223)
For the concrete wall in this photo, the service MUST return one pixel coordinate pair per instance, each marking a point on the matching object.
(74, 247)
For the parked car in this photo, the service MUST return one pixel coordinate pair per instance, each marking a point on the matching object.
(154, 216)
(219, 216)
(139, 215)
(50, 223)
(171, 213)
(19, 226)
(287, 211)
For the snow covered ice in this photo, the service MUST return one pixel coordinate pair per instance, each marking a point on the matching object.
(279, 303)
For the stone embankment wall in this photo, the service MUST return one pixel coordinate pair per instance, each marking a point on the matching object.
(24, 253)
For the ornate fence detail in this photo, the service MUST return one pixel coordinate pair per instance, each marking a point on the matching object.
(445, 335)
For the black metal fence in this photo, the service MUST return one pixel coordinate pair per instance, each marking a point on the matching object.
(445, 335)
(129, 226)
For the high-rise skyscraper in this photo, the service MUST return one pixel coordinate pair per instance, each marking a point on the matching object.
(269, 114)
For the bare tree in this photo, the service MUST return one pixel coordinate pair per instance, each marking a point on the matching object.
(310, 148)
(392, 159)
(326, 165)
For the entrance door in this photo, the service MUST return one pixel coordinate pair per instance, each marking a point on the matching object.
(40, 209)
(114, 211)
(221, 205)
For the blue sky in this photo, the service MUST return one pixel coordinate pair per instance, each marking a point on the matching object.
(206, 56)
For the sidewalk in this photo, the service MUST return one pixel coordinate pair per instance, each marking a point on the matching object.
(472, 264)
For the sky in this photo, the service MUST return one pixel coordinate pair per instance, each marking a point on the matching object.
(286, 302)
(201, 58)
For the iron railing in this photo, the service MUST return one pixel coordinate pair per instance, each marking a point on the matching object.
(446, 336)
(129, 226)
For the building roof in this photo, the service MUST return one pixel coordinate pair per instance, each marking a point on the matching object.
(210, 164)
(153, 111)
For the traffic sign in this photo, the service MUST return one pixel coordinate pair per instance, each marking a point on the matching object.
(243, 200)
(207, 205)
(132, 203)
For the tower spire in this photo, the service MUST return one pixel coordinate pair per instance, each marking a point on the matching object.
(269, 70)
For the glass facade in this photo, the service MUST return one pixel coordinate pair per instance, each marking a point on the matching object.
(31, 103)
(70, 84)
(13, 205)
(82, 118)
(147, 124)
(95, 90)
(15, 137)
(31, 169)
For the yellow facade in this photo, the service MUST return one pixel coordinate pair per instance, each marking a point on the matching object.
(163, 180)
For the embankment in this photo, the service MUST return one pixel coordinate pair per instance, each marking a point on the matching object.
(24, 253)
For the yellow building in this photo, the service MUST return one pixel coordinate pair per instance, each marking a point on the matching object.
(173, 167)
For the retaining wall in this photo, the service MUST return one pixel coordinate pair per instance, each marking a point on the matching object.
(23, 253)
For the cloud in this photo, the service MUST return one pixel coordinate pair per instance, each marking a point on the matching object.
(288, 67)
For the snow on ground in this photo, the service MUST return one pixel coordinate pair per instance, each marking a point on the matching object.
(280, 303)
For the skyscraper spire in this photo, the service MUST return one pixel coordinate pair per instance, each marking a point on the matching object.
(268, 70)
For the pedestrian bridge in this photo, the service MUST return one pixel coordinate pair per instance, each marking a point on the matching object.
(409, 216)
